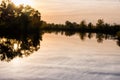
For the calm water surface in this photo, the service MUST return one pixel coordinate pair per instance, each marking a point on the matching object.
(66, 58)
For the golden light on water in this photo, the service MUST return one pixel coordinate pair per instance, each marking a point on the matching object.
(15, 46)
(25, 2)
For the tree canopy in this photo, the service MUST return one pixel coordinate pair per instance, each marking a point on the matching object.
(12, 15)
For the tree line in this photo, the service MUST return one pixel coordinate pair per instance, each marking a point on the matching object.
(100, 26)
(22, 26)
(26, 19)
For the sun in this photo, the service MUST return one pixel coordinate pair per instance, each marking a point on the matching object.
(25, 2)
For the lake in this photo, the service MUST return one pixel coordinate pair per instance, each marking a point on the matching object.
(62, 57)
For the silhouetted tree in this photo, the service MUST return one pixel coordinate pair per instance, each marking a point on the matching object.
(69, 25)
(100, 24)
(83, 25)
(90, 26)
(18, 17)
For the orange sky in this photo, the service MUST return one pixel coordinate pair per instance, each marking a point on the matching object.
(58, 11)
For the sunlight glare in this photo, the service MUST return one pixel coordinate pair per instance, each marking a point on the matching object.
(15, 46)
(25, 2)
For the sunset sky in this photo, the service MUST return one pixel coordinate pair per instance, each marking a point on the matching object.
(58, 11)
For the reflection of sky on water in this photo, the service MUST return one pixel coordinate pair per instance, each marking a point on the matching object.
(66, 58)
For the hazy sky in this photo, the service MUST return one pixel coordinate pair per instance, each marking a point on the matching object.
(76, 10)
(58, 11)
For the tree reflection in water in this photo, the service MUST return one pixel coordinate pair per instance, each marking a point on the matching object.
(100, 37)
(20, 46)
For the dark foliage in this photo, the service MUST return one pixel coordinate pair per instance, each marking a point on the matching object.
(21, 30)
(18, 18)
(18, 45)
(100, 27)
